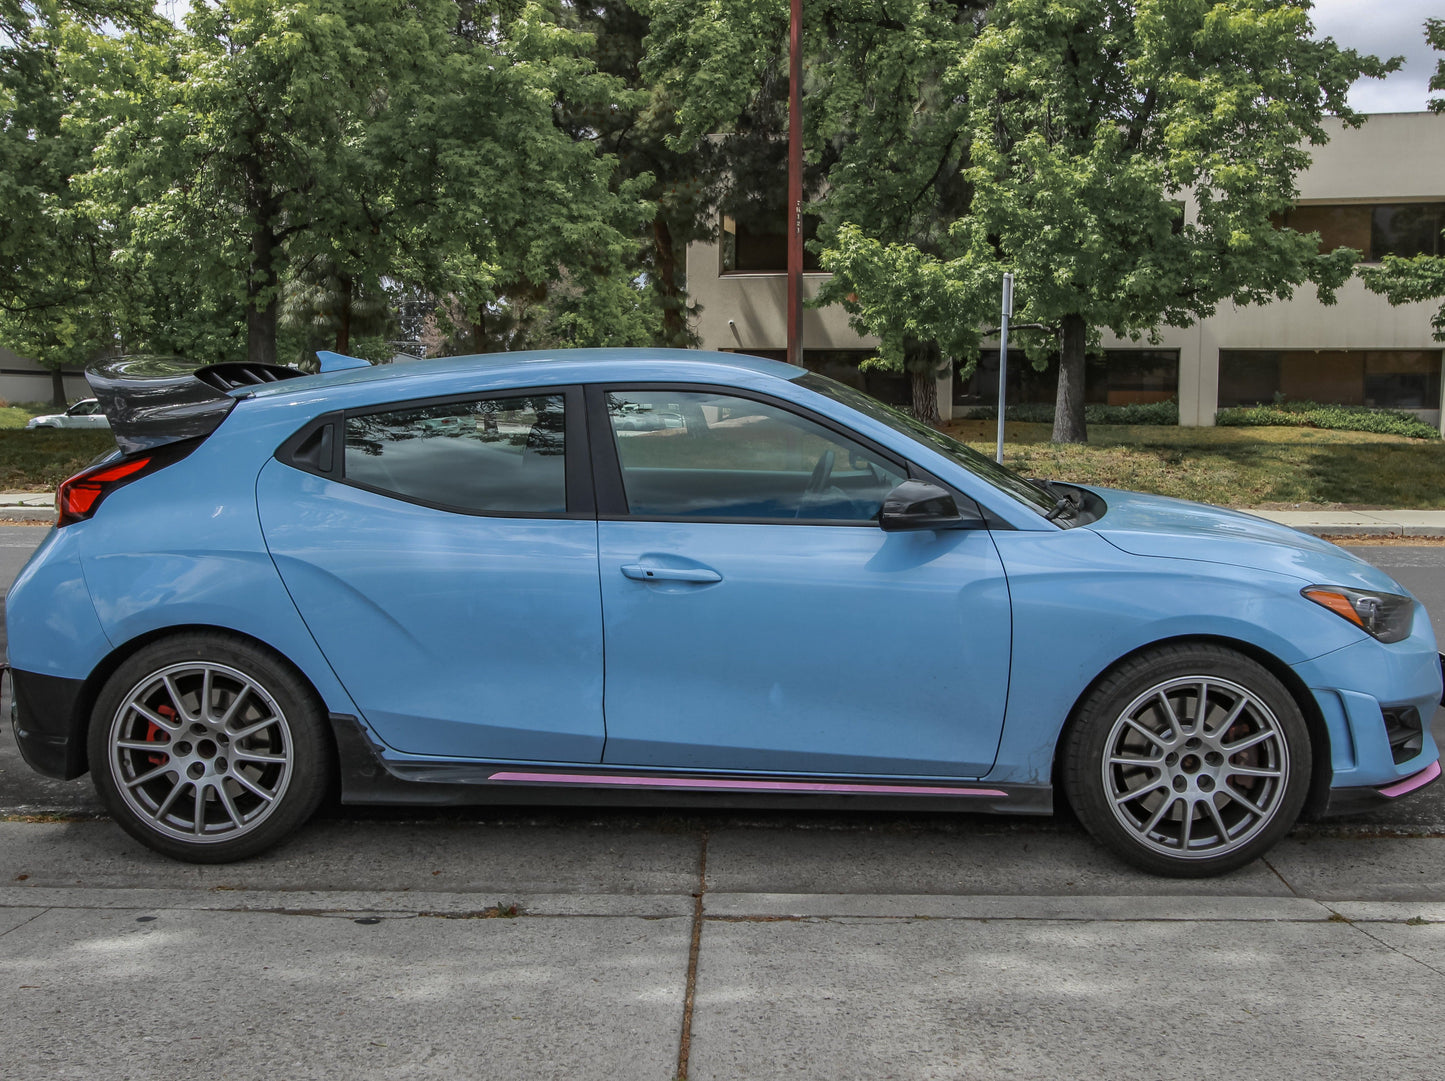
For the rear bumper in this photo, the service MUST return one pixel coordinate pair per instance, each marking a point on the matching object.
(45, 713)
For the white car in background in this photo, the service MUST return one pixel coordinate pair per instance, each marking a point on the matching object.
(85, 413)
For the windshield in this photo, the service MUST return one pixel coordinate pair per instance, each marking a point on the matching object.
(983, 467)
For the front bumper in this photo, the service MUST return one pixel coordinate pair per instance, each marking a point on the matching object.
(1355, 800)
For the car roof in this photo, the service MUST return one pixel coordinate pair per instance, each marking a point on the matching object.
(581, 364)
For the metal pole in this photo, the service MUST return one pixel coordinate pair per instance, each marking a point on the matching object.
(795, 185)
(1008, 310)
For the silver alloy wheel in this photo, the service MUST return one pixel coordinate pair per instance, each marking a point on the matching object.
(1195, 767)
(200, 752)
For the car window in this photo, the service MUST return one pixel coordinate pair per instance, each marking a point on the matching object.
(489, 455)
(696, 454)
(83, 409)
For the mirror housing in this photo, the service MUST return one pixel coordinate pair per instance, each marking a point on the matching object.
(916, 504)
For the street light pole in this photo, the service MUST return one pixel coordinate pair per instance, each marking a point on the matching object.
(1008, 310)
(795, 185)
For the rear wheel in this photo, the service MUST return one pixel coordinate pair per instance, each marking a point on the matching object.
(207, 748)
(1188, 760)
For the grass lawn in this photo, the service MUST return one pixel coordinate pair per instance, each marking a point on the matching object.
(39, 460)
(1243, 467)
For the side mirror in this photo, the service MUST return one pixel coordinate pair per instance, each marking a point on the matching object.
(916, 504)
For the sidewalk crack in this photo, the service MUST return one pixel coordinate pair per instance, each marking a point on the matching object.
(26, 923)
(1376, 938)
(684, 1047)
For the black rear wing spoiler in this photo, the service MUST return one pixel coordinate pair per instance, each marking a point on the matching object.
(151, 401)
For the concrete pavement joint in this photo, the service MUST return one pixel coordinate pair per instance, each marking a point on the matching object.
(25, 923)
(1341, 917)
(689, 996)
(1286, 882)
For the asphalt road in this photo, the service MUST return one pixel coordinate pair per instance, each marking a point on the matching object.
(1419, 569)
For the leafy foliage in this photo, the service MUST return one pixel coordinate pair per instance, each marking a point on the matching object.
(1307, 414)
(1421, 277)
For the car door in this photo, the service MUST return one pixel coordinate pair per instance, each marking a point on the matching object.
(444, 556)
(756, 616)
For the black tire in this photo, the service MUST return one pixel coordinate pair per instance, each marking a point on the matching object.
(1172, 797)
(216, 784)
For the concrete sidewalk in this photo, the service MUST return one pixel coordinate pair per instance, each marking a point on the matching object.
(39, 508)
(708, 948)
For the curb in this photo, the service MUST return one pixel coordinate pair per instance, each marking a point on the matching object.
(1328, 531)
(34, 515)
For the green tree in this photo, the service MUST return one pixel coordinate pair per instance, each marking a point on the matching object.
(55, 258)
(1422, 277)
(883, 149)
(1088, 119)
(1058, 138)
(413, 141)
(634, 126)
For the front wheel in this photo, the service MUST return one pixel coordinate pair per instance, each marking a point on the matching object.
(1188, 760)
(207, 748)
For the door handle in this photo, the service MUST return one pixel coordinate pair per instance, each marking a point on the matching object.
(638, 573)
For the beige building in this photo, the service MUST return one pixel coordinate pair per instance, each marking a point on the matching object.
(1379, 188)
(22, 380)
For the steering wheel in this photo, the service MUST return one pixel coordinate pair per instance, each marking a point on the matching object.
(822, 473)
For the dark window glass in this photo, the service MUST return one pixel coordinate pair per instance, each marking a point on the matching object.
(1373, 229)
(763, 248)
(1114, 377)
(1408, 229)
(845, 366)
(491, 456)
(1381, 378)
(688, 454)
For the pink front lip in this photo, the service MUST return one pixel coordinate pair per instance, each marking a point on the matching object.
(746, 786)
(1409, 784)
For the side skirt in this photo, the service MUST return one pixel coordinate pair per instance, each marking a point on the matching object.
(369, 777)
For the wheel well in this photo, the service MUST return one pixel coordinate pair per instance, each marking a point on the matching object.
(1321, 770)
(96, 681)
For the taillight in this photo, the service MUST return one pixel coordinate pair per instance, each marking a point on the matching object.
(77, 498)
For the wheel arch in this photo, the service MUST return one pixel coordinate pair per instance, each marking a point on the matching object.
(1320, 753)
(100, 675)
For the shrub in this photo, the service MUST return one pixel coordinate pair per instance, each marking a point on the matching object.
(1043, 413)
(1347, 418)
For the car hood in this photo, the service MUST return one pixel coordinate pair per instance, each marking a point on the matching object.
(47, 416)
(1151, 525)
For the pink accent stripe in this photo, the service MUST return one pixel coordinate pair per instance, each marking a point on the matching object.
(744, 786)
(1409, 784)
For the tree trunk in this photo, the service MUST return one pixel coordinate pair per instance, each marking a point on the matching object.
(922, 361)
(57, 389)
(925, 396)
(261, 317)
(343, 328)
(674, 324)
(1069, 426)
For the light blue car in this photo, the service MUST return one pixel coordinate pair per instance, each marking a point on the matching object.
(632, 575)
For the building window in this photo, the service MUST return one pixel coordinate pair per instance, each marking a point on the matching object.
(1113, 377)
(1381, 378)
(1373, 229)
(749, 249)
(891, 388)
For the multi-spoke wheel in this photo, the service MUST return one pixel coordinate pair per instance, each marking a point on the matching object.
(207, 748)
(1188, 760)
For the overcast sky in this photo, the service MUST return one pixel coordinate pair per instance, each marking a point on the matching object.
(1385, 28)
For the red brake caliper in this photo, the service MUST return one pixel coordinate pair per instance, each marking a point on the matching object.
(154, 732)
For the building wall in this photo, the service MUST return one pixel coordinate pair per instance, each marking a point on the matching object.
(23, 380)
(1394, 157)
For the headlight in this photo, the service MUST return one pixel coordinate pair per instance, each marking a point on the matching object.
(1386, 616)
